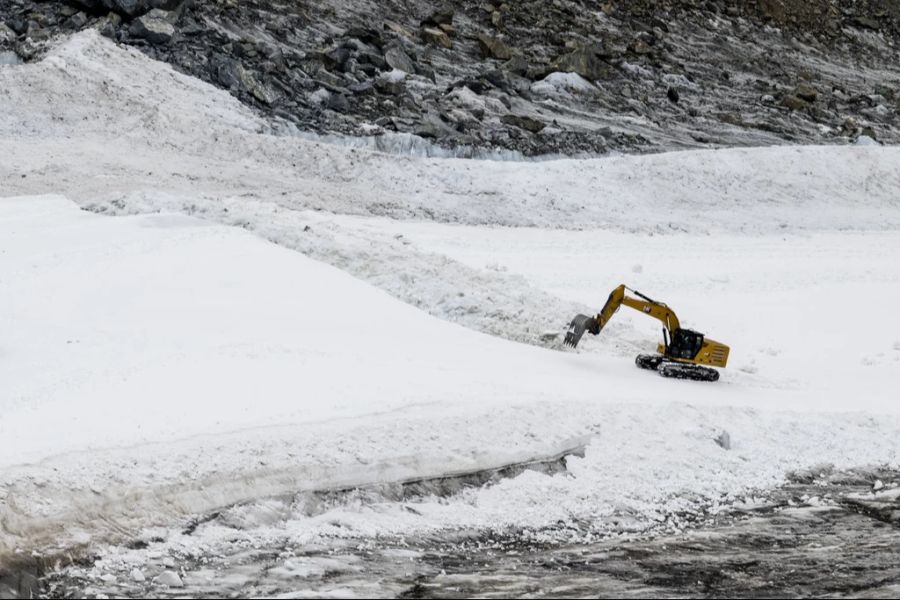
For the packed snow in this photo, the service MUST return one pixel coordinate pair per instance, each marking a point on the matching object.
(163, 363)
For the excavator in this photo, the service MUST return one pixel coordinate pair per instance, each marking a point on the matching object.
(682, 354)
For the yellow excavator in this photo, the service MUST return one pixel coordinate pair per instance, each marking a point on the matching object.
(682, 353)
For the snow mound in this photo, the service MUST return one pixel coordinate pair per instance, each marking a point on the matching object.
(558, 82)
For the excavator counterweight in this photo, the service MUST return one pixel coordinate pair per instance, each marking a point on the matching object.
(684, 353)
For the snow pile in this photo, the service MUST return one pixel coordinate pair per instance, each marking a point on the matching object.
(563, 83)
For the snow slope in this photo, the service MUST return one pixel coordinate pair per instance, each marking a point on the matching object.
(157, 366)
(158, 353)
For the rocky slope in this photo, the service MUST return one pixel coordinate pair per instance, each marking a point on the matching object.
(535, 77)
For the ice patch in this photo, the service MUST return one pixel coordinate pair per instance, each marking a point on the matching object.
(9, 58)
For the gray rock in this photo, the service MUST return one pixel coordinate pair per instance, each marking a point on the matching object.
(130, 8)
(437, 18)
(517, 64)
(806, 92)
(336, 58)
(794, 103)
(338, 103)
(724, 440)
(432, 127)
(18, 25)
(396, 58)
(109, 24)
(522, 122)
(584, 61)
(390, 85)
(492, 47)
(79, 20)
(7, 35)
(437, 37)
(155, 27)
(170, 579)
(256, 88)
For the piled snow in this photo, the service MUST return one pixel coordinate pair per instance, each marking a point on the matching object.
(556, 83)
(157, 366)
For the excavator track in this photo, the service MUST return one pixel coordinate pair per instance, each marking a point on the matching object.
(650, 362)
(693, 372)
(675, 370)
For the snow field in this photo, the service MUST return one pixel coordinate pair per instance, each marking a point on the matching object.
(156, 366)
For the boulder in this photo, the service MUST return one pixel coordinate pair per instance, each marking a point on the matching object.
(396, 58)
(398, 29)
(391, 83)
(338, 103)
(130, 8)
(7, 35)
(232, 75)
(170, 579)
(78, 20)
(109, 24)
(333, 59)
(517, 64)
(18, 25)
(794, 103)
(367, 35)
(438, 18)
(584, 61)
(155, 27)
(437, 37)
(640, 46)
(255, 88)
(492, 47)
(526, 123)
(806, 92)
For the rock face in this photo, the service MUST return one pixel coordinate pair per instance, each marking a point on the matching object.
(527, 76)
(131, 8)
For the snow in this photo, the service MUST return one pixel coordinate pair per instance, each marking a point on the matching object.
(557, 82)
(196, 352)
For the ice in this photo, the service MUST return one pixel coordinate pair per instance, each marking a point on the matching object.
(9, 58)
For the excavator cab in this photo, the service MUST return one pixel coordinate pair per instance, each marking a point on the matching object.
(685, 344)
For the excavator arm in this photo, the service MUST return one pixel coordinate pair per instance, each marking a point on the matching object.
(582, 323)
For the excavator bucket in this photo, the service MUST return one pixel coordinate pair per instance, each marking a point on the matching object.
(577, 327)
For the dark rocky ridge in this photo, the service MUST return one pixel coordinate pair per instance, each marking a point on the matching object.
(663, 74)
